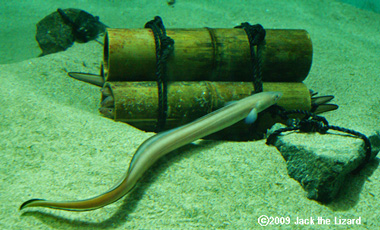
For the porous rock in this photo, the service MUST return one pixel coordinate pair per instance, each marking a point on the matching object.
(321, 162)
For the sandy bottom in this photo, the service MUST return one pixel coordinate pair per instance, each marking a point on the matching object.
(55, 145)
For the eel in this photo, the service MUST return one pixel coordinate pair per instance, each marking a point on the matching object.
(162, 143)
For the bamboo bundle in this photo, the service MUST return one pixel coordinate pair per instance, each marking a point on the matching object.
(206, 69)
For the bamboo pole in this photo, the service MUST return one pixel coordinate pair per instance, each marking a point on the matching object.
(136, 103)
(207, 54)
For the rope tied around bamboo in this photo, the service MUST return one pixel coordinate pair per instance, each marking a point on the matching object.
(256, 37)
(164, 47)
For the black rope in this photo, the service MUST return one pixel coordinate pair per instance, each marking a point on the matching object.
(256, 35)
(164, 47)
(314, 123)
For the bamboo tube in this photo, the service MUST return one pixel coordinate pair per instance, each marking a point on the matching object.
(136, 103)
(207, 54)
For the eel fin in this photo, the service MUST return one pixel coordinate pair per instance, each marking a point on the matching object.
(252, 116)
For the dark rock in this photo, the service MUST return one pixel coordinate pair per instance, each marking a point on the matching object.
(58, 31)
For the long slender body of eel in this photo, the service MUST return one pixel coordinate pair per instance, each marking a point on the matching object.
(162, 143)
